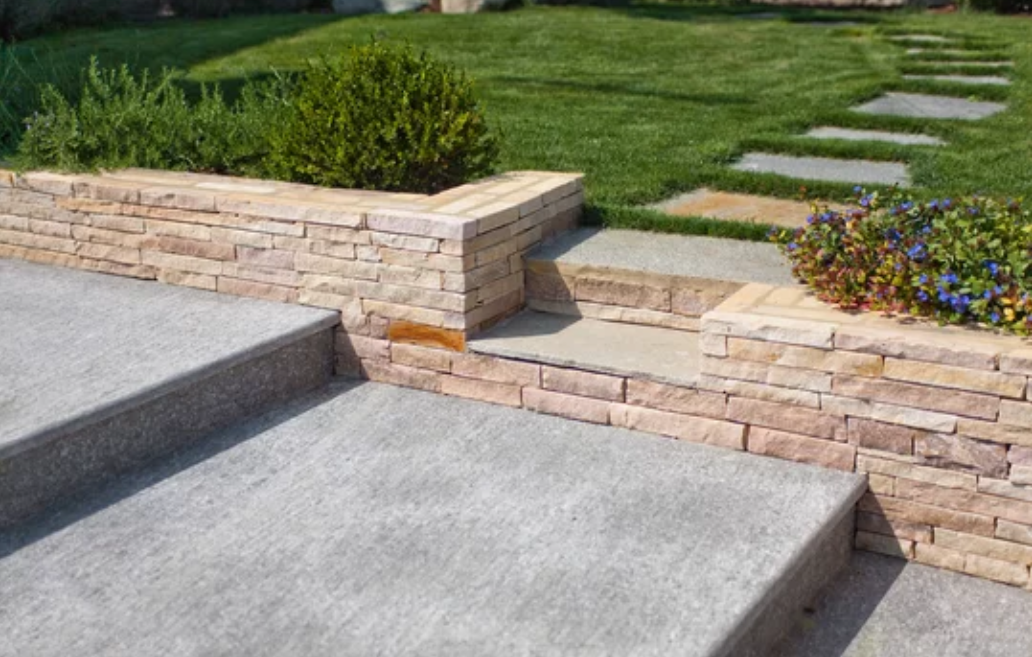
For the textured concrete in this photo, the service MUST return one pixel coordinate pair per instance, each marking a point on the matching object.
(993, 80)
(890, 608)
(674, 255)
(644, 351)
(386, 521)
(922, 106)
(79, 347)
(847, 134)
(823, 168)
(729, 206)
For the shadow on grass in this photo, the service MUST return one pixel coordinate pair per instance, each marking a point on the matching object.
(626, 90)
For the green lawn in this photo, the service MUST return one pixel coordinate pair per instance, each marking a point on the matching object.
(647, 100)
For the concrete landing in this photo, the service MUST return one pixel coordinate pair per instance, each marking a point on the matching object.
(902, 138)
(645, 352)
(922, 106)
(730, 206)
(891, 608)
(378, 520)
(82, 352)
(674, 255)
(823, 168)
(992, 80)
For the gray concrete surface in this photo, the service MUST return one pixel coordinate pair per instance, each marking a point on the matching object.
(922, 106)
(378, 520)
(886, 607)
(80, 347)
(874, 135)
(675, 255)
(650, 352)
(919, 38)
(992, 80)
(824, 168)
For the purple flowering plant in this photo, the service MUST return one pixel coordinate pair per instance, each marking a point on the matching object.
(956, 260)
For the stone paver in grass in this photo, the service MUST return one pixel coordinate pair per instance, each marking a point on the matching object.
(962, 79)
(747, 208)
(823, 168)
(847, 134)
(924, 106)
(943, 63)
(920, 38)
(938, 51)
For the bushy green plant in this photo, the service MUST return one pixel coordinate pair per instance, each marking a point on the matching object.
(957, 260)
(384, 118)
(1001, 6)
(123, 120)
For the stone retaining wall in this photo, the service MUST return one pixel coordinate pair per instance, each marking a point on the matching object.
(425, 269)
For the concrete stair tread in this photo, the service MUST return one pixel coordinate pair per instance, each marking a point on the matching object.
(646, 352)
(672, 255)
(374, 519)
(112, 342)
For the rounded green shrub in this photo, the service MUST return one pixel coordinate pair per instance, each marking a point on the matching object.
(384, 118)
(958, 260)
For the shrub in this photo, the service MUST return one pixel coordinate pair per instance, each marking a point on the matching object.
(1002, 6)
(384, 118)
(957, 260)
(121, 120)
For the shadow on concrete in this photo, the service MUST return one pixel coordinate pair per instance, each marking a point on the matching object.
(101, 496)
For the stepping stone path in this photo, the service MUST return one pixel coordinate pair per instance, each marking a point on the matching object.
(923, 106)
(824, 168)
(962, 79)
(745, 207)
(874, 135)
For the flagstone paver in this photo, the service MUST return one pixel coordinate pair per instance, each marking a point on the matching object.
(920, 38)
(962, 79)
(730, 206)
(942, 63)
(938, 51)
(874, 135)
(823, 168)
(924, 106)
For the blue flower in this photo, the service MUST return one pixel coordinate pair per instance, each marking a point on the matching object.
(992, 267)
(917, 252)
(865, 201)
(906, 207)
(792, 246)
(858, 189)
(972, 211)
(922, 295)
(934, 205)
(948, 278)
(947, 203)
(923, 279)
(995, 317)
(810, 219)
(997, 290)
(987, 294)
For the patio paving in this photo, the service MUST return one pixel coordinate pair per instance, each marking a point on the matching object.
(923, 106)
(823, 168)
(874, 135)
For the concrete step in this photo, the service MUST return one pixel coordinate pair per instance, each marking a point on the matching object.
(99, 374)
(371, 519)
(635, 277)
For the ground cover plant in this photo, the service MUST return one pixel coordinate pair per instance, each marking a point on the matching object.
(647, 100)
(958, 260)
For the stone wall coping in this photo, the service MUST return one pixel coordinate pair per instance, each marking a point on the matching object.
(460, 213)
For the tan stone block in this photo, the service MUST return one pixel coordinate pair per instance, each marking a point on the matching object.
(889, 413)
(194, 248)
(932, 555)
(181, 263)
(937, 347)
(49, 183)
(500, 288)
(888, 545)
(289, 243)
(406, 242)
(675, 399)
(180, 198)
(586, 384)
(283, 277)
(999, 571)
(785, 417)
(1016, 414)
(421, 357)
(116, 222)
(1004, 488)
(957, 378)
(917, 396)
(770, 329)
(683, 427)
(881, 436)
(113, 237)
(695, 297)
(569, 406)
(475, 278)
(1021, 475)
(415, 296)
(954, 452)
(800, 448)
(242, 237)
(935, 516)
(116, 268)
(408, 276)
(774, 353)
(51, 228)
(326, 283)
(42, 257)
(881, 484)
(713, 345)
(187, 231)
(120, 254)
(963, 500)
(364, 347)
(33, 241)
(486, 391)
(945, 478)
(332, 249)
(427, 336)
(187, 279)
(392, 311)
(401, 375)
(1020, 455)
(257, 290)
(440, 262)
(877, 524)
(339, 266)
(268, 258)
(760, 373)
(1018, 361)
(1014, 532)
(489, 368)
(997, 432)
(986, 547)
(14, 223)
(619, 293)
(421, 224)
(760, 391)
(90, 205)
(338, 235)
(327, 300)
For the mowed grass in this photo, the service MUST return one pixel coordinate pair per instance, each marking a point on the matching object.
(648, 100)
